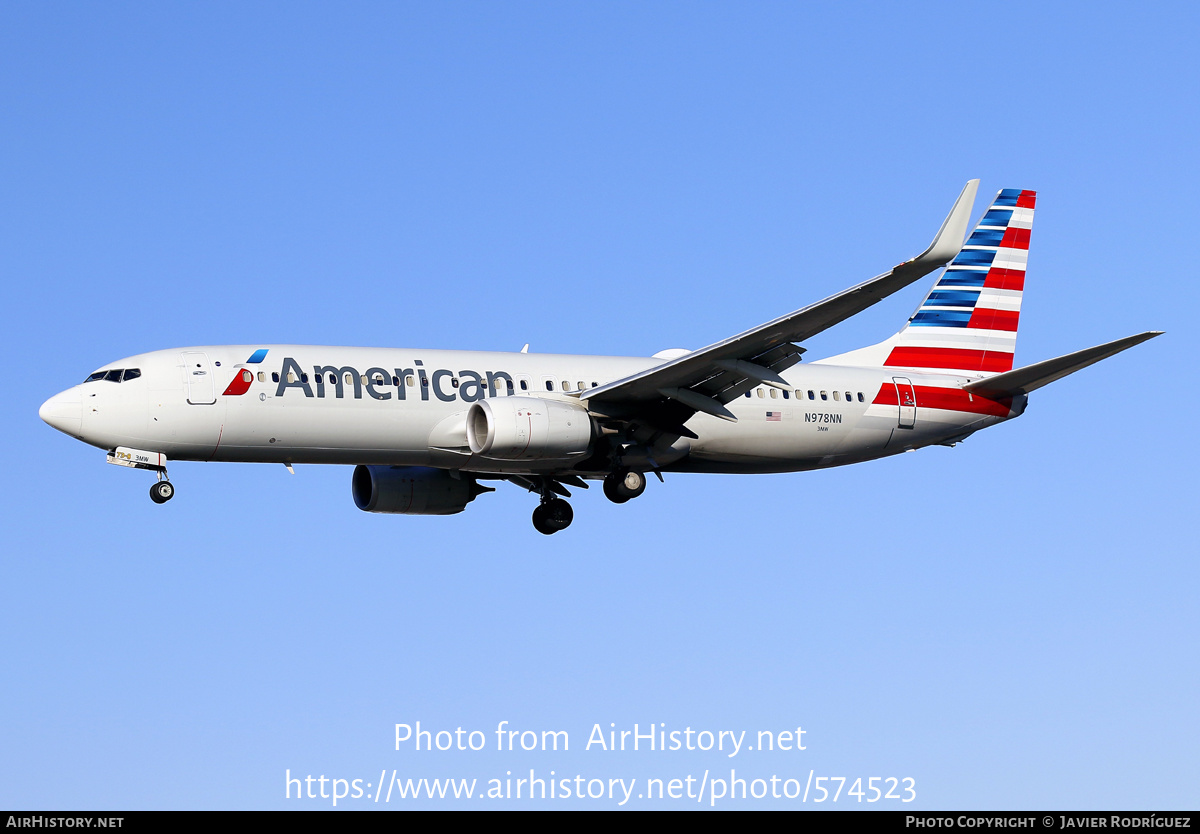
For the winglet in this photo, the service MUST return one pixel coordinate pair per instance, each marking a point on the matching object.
(949, 238)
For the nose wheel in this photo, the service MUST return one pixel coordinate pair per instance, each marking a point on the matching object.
(552, 515)
(162, 492)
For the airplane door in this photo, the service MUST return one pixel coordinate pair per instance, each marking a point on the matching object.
(201, 387)
(906, 397)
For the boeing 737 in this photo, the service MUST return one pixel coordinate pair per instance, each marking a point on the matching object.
(425, 429)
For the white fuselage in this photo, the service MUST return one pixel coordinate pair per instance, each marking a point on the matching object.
(408, 407)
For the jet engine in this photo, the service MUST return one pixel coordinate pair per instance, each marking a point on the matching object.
(528, 428)
(412, 490)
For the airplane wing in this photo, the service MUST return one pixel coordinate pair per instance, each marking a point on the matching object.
(668, 395)
(1032, 377)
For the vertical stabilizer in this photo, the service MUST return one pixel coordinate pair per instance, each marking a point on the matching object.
(968, 322)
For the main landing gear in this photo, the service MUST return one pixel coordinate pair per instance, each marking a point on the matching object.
(552, 515)
(624, 485)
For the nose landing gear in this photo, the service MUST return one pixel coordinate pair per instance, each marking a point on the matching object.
(162, 492)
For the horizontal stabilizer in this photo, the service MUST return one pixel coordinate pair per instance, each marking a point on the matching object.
(1032, 377)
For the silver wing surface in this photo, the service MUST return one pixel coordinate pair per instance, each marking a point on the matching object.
(666, 396)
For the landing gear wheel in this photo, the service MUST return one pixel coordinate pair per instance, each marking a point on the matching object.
(552, 516)
(623, 485)
(162, 492)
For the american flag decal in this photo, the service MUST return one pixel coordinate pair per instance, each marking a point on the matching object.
(774, 416)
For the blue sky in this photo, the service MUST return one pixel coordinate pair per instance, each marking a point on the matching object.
(1011, 623)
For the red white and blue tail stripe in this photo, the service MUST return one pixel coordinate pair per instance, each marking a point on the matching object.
(968, 322)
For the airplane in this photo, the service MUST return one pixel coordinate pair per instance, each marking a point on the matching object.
(425, 428)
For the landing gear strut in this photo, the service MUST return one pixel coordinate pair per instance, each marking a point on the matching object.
(552, 515)
(623, 485)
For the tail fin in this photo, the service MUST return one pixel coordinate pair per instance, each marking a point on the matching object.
(968, 322)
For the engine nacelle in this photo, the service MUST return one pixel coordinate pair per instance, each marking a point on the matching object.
(528, 428)
(412, 490)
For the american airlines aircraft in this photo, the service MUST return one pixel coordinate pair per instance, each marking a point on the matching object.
(424, 428)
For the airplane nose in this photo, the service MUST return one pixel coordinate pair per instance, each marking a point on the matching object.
(64, 411)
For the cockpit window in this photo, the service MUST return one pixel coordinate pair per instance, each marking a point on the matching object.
(115, 375)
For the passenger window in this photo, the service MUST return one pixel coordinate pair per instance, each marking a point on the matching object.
(581, 386)
(747, 395)
(508, 384)
(785, 395)
(860, 397)
(350, 379)
(395, 380)
(247, 376)
(291, 377)
(549, 385)
(411, 382)
(594, 385)
(274, 376)
(849, 398)
(566, 385)
(837, 397)
(131, 373)
(303, 378)
(262, 377)
(760, 393)
(811, 394)
(454, 382)
(524, 385)
(824, 396)
(774, 394)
